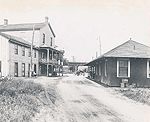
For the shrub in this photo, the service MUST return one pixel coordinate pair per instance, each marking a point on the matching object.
(18, 100)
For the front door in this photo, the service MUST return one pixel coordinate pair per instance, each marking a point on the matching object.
(43, 69)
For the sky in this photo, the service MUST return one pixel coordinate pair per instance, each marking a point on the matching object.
(80, 25)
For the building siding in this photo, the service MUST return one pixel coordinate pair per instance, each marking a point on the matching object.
(138, 73)
(48, 35)
(4, 56)
(21, 59)
(27, 35)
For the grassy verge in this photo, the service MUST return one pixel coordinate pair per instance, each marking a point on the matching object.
(138, 94)
(20, 100)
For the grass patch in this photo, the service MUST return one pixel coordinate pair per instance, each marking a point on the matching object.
(138, 94)
(20, 100)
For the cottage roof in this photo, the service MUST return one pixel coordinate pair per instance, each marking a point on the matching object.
(16, 40)
(129, 49)
(24, 27)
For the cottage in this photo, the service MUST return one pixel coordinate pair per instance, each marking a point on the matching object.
(15, 49)
(126, 64)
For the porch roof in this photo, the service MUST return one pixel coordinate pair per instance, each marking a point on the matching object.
(44, 46)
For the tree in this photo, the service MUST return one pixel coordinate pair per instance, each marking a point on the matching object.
(65, 61)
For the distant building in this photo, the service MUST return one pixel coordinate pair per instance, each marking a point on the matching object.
(75, 65)
(15, 49)
(126, 64)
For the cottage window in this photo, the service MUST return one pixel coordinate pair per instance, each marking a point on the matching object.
(123, 68)
(23, 51)
(43, 38)
(29, 54)
(94, 69)
(16, 49)
(100, 68)
(106, 68)
(97, 69)
(148, 69)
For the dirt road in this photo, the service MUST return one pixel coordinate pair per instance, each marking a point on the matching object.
(77, 99)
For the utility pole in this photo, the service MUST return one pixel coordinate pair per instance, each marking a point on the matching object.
(31, 52)
(96, 54)
(99, 46)
(73, 58)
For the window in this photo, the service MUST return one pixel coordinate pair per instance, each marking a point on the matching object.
(94, 69)
(29, 54)
(34, 53)
(123, 68)
(97, 69)
(106, 68)
(51, 42)
(42, 55)
(35, 68)
(16, 49)
(148, 69)
(16, 69)
(23, 51)
(100, 68)
(23, 69)
(0, 66)
(43, 38)
(28, 70)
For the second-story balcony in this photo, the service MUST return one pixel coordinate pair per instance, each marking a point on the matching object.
(44, 61)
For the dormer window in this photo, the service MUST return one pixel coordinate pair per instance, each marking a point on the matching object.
(43, 38)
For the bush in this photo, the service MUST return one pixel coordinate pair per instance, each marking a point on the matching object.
(18, 100)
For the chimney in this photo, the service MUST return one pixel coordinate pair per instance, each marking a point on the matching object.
(46, 19)
(5, 21)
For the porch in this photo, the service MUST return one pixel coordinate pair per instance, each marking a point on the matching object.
(50, 61)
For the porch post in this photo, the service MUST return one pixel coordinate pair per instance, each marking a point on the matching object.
(47, 70)
(47, 55)
(52, 54)
(47, 60)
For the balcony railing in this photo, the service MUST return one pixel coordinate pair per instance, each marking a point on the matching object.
(43, 60)
(54, 61)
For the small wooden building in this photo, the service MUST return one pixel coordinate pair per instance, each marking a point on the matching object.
(127, 64)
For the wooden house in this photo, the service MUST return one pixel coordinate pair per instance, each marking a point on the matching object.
(127, 64)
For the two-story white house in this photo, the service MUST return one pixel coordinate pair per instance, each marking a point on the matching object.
(15, 49)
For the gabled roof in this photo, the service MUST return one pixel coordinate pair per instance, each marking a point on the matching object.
(16, 40)
(24, 27)
(129, 49)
